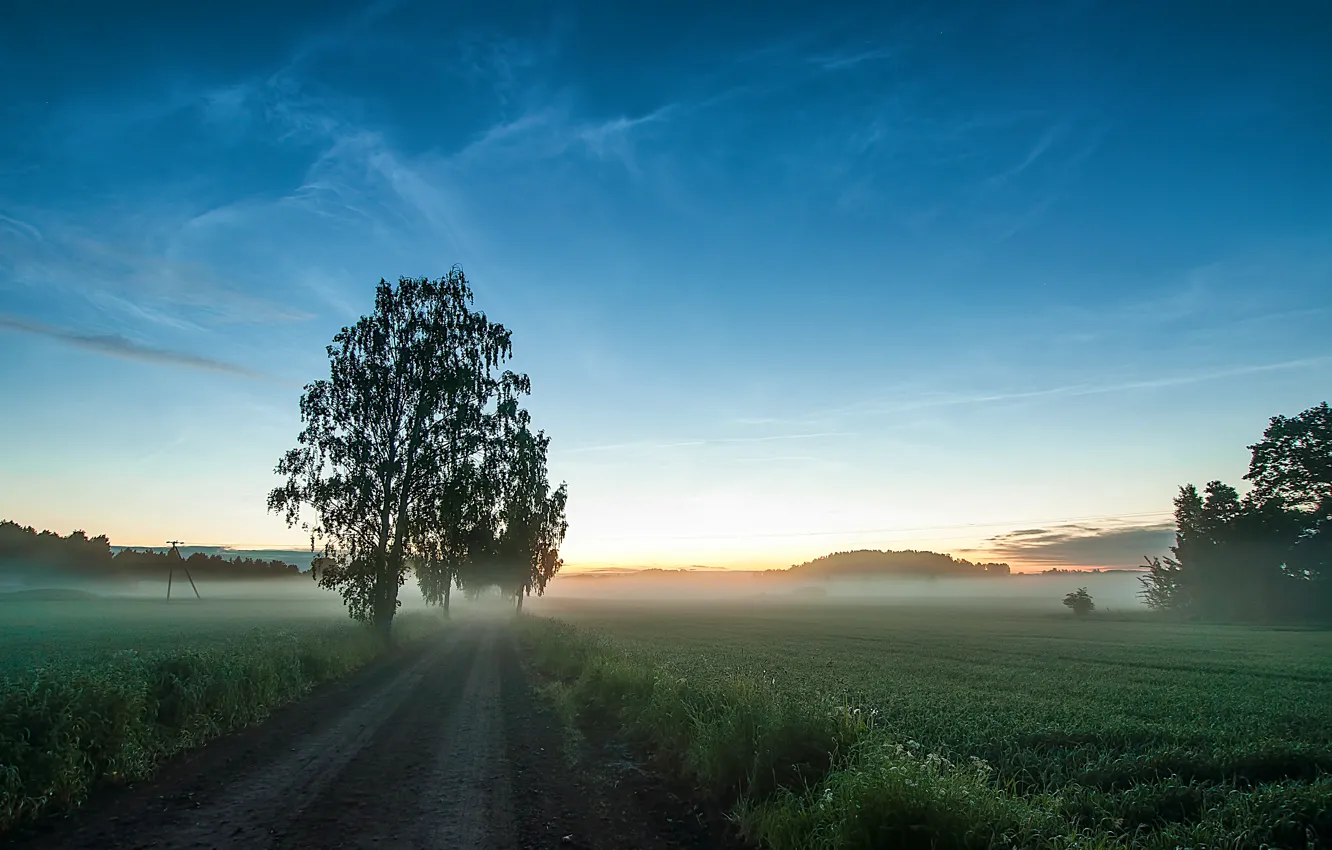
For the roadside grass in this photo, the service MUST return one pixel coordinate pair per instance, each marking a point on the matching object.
(819, 735)
(103, 711)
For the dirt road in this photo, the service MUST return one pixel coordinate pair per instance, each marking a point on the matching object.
(442, 746)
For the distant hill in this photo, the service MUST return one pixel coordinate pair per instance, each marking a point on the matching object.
(863, 563)
(621, 572)
(909, 563)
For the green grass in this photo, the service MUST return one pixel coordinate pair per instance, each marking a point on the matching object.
(102, 692)
(845, 726)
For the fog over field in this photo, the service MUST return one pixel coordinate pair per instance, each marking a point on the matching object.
(1116, 590)
(276, 598)
(1113, 590)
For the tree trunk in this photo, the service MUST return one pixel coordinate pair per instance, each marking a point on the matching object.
(520, 600)
(448, 589)
(386, 604)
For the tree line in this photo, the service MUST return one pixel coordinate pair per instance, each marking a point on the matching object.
(416, 457)
(32, 555)
(1263, 556)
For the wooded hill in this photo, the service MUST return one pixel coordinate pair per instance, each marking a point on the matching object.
(908, 563)
(860, 564)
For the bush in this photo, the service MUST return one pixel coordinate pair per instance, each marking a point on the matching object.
(1080, 602)
(735, 738)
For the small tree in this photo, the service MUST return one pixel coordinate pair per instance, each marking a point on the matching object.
(1080, 602)
(1161, 587)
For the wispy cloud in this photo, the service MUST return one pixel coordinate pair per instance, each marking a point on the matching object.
(1129, 386)
(555, 131)
(912, 398)
(20, 229)
(1082, 545)
(360, 179)
(115, 345)
(844, 60)
(1013, 200)
(932, 400)
(1038, 149)
(115, 276)
(612, 138)
(505, 131)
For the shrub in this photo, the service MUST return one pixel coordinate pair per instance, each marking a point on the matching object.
(1080, 602)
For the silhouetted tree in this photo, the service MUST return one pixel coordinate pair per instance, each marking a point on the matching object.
(531, 512)
(444, 546)
(457, 527)
(1161, 586)
(373, 460)
(1265, 556)
(1080, 602)
(516, 522)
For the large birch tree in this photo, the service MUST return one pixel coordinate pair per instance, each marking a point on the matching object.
(384, 456)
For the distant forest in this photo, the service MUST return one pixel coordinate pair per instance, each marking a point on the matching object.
(909, 563)
(33, 556)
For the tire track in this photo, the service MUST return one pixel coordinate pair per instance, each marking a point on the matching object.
(467, 801)
(373, 801)
(259, 803)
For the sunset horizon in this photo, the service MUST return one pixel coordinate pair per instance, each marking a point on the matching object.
(950, 310)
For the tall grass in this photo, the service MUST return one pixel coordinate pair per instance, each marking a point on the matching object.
(68, 726)
(804, 765)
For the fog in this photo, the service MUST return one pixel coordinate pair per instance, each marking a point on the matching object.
(301, 593)
(1111, 590)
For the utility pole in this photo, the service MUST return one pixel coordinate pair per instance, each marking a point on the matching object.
(173, 558)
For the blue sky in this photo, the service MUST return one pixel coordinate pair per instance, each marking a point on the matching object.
(824, 277)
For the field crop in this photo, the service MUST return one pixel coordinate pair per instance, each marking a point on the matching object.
(846, 726)
(95, 692)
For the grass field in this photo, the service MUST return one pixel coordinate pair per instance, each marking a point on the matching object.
(102, 691)
(871, 726)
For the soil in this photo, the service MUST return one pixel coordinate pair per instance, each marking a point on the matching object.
(443, 745)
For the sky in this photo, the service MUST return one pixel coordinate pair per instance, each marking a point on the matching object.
(991, 279)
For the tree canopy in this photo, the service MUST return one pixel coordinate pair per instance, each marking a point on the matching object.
(1293, 460)
(402, 462)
